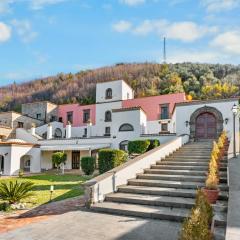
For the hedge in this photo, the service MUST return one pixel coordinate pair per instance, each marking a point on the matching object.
(138, 146)
(110, 158)
(153, 144)
(88, 165)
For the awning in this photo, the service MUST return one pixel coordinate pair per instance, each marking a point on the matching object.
(73, 147)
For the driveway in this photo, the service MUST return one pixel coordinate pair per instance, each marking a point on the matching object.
(80, 224)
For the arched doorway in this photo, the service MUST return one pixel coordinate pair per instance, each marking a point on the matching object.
(206, 126)
(2, 163)
(205, 123)
(25, 163)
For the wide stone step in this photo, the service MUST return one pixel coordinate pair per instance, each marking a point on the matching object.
(181, 172)
(146, 211)
(187, 163)
(175, 156)
(171, 184)
(175, 177)
(177, 167)
(172, 192)
(182, 159)
(154, 200)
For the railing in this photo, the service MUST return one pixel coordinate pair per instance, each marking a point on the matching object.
(163, 116)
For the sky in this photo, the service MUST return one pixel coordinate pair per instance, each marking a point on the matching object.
(39, 38)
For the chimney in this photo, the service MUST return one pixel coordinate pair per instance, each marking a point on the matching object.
(68, 130)
(89, 129)
(49, 131)
(33, 129)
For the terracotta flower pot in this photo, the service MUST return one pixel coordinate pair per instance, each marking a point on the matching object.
(211, 194)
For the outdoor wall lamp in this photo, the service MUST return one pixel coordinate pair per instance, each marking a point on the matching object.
(186, 123)
(226, 121)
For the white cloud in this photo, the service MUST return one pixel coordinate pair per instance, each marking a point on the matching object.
(187, 55)
(132, 2)
(183, 31)
(122, 26)
(39, 4)
(220, 5)
(24, 30)
(5, 32)
(228, 42)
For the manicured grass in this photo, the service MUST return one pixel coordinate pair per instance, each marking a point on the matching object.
(65, 186)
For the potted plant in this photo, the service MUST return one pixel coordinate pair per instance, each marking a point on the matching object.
(211, 189)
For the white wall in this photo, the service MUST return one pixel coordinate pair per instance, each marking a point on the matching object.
(100, 117)
(43, 129)
(183, 114)
(120, 91)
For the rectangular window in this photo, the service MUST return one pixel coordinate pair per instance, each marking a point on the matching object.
(86, 115)
(85, 132)
(60, 119)
(107, 131)
(20, 124)
(164, 127)
(39, 115)
(164, 111)
(70, 117)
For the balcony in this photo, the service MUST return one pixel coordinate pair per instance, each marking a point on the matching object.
(164, 116)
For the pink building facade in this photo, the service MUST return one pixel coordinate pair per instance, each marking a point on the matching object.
(152, 105)
(79, 114)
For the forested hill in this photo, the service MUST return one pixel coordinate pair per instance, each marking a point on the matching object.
(198, 80)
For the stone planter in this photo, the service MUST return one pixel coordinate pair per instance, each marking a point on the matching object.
(211, 194)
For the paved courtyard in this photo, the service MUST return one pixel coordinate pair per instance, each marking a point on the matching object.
(91, 226)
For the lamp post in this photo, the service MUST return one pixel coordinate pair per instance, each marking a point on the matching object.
(234, 111)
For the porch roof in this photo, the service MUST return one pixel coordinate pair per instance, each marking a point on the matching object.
(73, 147)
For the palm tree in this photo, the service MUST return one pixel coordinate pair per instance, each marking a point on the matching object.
(14, 192)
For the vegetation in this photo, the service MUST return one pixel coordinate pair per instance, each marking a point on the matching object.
(110, 158)
(88, 165)
(14, 192)
(59, 159)
(197, 80)
(196, 226)
(153, 144)
(138, 146)
(65, 186)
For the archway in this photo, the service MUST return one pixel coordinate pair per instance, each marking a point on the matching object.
(2, 163)
(206, 123)
(25, 163)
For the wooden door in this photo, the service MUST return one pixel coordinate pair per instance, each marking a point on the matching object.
(75, 159)
(206, 126)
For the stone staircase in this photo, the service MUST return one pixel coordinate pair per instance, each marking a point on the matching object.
(167, 189)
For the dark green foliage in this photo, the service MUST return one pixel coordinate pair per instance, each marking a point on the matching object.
(88, 165)
(145, 78)
(153, 144)
(138, 146)
(14, 192)
(110, 158)
(58, 158)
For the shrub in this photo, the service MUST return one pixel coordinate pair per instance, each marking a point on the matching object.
(88, 165)
(212, 180)
(14, 192)
(110, 158)
(138, 146)
(196, 226)
(153, 144)
(20, 173)
(59, 158)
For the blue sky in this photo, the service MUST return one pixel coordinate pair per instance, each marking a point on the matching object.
(39, 38)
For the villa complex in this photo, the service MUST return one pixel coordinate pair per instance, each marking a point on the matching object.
(29, 139)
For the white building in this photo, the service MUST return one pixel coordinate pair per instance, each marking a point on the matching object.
(115, 119)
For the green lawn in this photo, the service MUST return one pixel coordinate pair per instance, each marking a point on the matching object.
(65, 186)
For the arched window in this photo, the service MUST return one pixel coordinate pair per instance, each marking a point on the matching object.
(108, 93)
(123, 145)
(126, 127)
(44, 135)
(108, 116)
(58, 133)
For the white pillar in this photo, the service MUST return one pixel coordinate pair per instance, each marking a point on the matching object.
(68, 130)
(89, 129)
(49, 131)
(33, 129)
